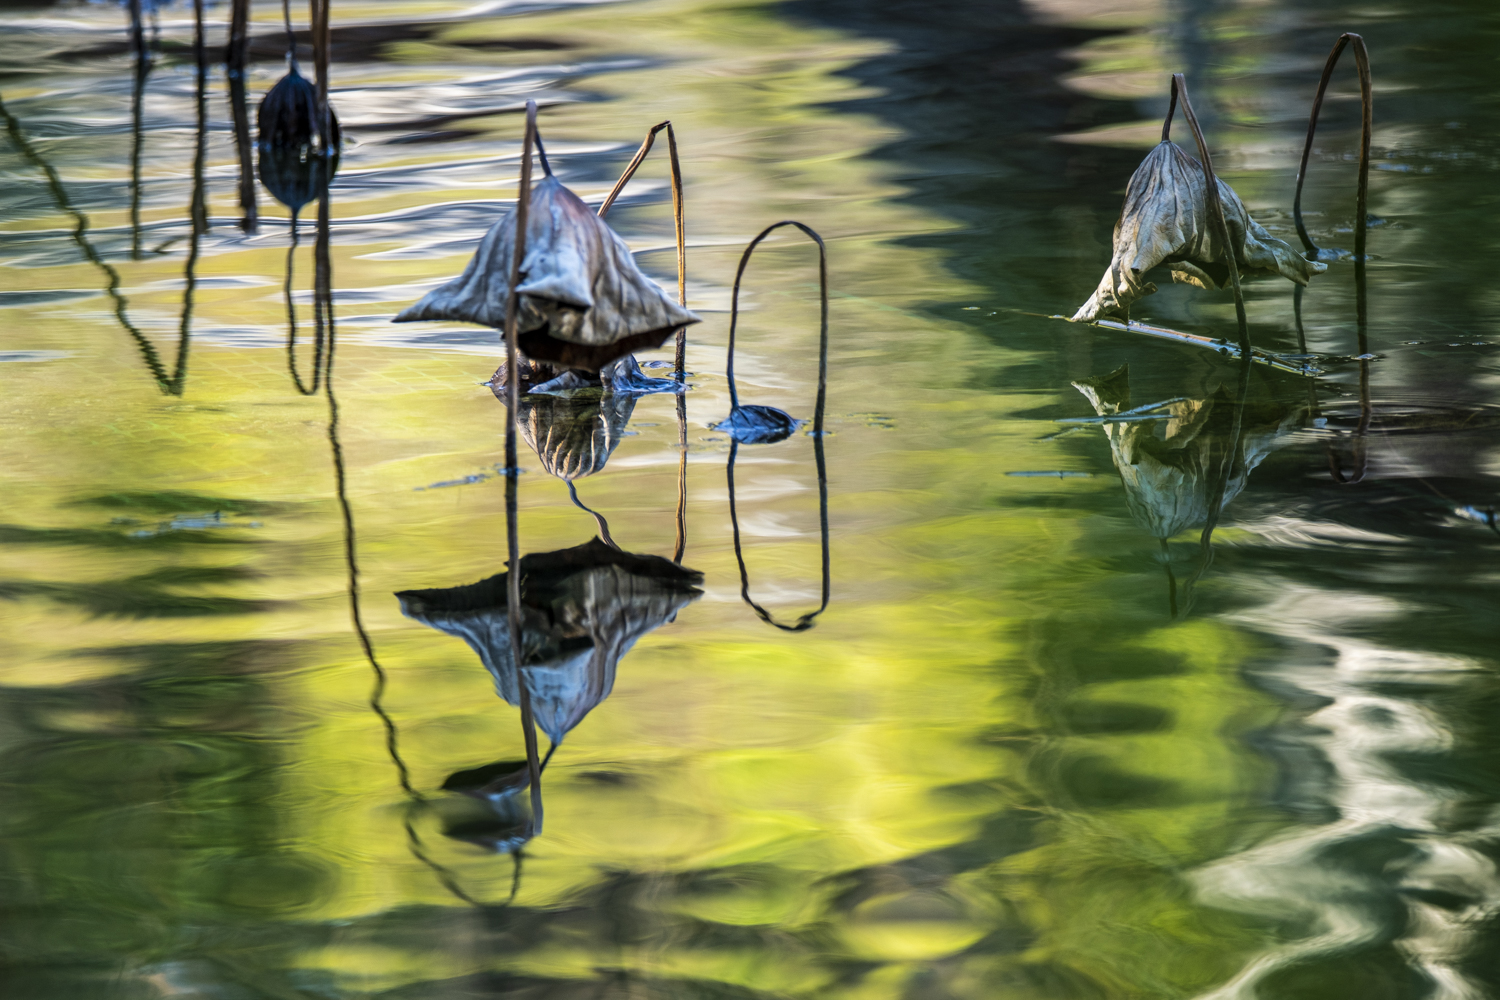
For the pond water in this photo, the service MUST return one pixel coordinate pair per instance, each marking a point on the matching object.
(1046, 741)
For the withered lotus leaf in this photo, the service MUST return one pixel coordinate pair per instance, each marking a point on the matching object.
(1166, 221)
(583, 300)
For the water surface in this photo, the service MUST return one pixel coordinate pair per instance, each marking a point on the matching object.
(1044, 742)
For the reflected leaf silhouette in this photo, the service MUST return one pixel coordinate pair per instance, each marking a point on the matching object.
(1169, 465)
(582, 609)
(583, 302)
(1166, 220)
(291, 166)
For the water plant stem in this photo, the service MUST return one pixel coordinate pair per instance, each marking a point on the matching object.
(1367, 102)
(1212, 199)
(513, 472)
(679, 364)
(236, 59)
(805, 621)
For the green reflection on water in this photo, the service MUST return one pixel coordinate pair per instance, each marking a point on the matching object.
(997, 764)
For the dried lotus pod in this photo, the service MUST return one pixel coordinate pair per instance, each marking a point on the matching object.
(1166, 221)
(581, 610)
(291, 167)
(583, 300)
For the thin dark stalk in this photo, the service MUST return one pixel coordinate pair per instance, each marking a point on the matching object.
(1367, 102)
(678, 223)
(236, 59)
(322, 299)
(513, 471)
(734, 313)
(1227, 466)
(320, 337)
(197, 208)
(599, 521)
(322, 42)
(80, 237)
(679, 363)
(682, 493)
(1215, 204)
(291, 37)
(137, 130)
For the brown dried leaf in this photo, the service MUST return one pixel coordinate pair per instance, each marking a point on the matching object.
(1165, 221)
(583, 300)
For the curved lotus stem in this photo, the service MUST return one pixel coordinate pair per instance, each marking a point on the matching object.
(679, 363)
(1366, 96)
(734, 314)
(80, 236)
(805, 621)
(1361, 228)
(513, 473)
(677, 219)
(599, 520)
(1211, 196)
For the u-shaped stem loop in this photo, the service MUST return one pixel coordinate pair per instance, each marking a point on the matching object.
(805, 621)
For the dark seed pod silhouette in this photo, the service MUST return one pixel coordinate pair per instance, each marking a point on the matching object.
(291, 166)
(753, 423)
(582, 609)
(583, 302)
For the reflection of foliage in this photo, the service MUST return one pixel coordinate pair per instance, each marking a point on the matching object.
(147, 595)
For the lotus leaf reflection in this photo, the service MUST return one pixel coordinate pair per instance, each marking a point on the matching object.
(1166, 221)
(582, 609)
(1168, 466)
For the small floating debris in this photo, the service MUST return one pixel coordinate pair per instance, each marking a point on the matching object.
(477, 477)
(1059, 474)
(189, 522)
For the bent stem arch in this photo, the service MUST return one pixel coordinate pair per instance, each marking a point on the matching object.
(806, 620)
(1366, 97)
(1211, 197)
(679, 363)
(1361, 229)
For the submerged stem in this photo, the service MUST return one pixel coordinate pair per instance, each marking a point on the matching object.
(805, 621)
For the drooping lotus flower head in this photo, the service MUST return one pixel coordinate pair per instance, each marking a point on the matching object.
(1166, 221)
(1169, 466)
(583, 300)
(287, 123)
(582, 609)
